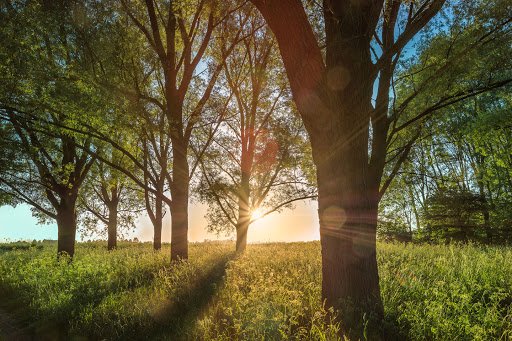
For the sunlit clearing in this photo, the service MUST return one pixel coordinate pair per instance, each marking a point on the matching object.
(257, 214)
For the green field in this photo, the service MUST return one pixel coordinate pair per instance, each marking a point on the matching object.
(272, 292)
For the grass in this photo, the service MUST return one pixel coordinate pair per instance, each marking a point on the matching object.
(272, 292)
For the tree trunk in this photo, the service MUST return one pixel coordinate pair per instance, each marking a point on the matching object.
(66, 224)
(112, 226)
(244, 213)
(179, 207)
(179, 226)
(242, 227)
(485, 209)
(157, 224)
(348, 220)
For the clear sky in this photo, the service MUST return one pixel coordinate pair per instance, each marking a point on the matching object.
(300, 224)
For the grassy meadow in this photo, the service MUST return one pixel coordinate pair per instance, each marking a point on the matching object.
(271, 293)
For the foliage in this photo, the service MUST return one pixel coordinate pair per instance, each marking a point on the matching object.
(272, 292)
(461, 155)
(20, 246)
(40, 91)
(452, 215)
(260, 157)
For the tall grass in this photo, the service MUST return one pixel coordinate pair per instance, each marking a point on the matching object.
(272, 292)
(448, 292)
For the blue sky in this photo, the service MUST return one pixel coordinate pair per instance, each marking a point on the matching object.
(18, 223)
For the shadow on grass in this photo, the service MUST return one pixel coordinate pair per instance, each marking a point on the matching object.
(189, 303)
(168, 310)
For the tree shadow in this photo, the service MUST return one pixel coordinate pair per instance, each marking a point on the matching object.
(54, 327)
(172, 318)
(177, 319)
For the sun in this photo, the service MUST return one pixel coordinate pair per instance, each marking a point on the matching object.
(257, 213)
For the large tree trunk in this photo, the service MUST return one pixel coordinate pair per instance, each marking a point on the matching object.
(66, 224)
(334, 99)
(112, 226)
(179, 207)
(348, 221)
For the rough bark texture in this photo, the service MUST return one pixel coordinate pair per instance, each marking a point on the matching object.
(157, 225)
(348, 236)
(112, 226)
(179, 207)
(66, 225)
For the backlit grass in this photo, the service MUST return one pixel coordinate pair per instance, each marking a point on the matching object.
(272, 292)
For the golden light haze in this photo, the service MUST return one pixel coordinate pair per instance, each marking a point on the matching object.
(299, 224)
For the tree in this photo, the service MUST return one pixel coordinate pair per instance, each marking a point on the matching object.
(254, 163)
(178, 35)
(350, 133)
(53, 176)
(38, 93)
(134, 128)
(461, 172)
(453, 215)
(108, 197)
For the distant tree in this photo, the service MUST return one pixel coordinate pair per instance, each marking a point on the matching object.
(134, 129)
(453, 215)
(254, 162)
(178, 36)
(109, 198)
(468, 157)
(397, 213)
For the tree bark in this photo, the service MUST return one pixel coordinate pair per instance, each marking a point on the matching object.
(348, 222)
(66, 225)
(157, 224)
(179, 206)
(244, 211)
(242, 227)
(112, 226)
(348, 209)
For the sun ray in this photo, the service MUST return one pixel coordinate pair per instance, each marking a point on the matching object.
(256, 214)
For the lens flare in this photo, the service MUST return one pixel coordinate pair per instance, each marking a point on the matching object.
(257, 213)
